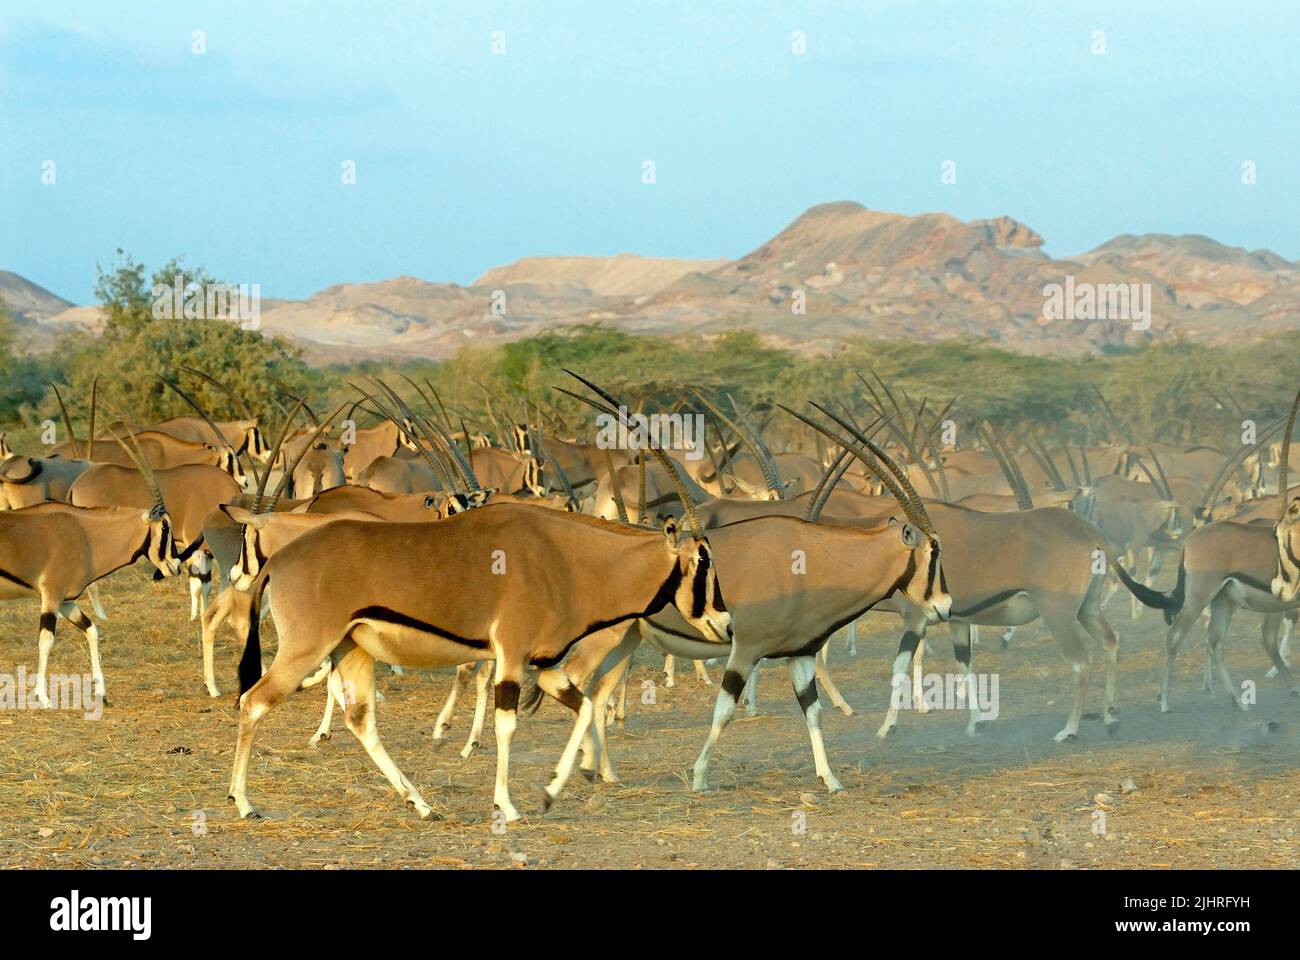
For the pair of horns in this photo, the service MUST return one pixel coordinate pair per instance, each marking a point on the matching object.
(615, 408)
(891, 475)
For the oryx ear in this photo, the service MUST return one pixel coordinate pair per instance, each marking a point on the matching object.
(671, 532)
(911, 536)
(244, 517)
(1294, 509)
(430, 502)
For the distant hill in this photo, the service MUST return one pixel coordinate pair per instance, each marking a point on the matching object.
(856, 272)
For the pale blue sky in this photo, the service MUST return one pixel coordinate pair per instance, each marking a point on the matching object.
(468, 160)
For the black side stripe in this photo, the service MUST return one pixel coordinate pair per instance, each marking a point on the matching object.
(387, 615)
(992, 601)
(4, 575)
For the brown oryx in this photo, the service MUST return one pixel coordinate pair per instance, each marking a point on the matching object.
(529, 583)
(1009, 569)
(190, 492)
(55, 551)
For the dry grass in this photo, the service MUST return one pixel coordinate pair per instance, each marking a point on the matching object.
(145, 784)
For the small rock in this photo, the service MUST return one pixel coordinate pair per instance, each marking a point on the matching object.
(519, 858)
(46, 831)
(1128, 786)
(1103, 799)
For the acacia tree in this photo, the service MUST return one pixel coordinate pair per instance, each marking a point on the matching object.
(137, 341)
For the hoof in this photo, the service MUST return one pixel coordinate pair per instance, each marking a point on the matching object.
(317, 740)
(845, 709)
(888, 731)
(468, 750)
(833, 786)
(547, 801)
(1112, 728)
(974, 727)
(589, 775)
(1064, 737)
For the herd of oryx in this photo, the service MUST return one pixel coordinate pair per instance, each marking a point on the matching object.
(536, 561)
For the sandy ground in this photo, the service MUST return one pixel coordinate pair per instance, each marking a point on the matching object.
(145, 785)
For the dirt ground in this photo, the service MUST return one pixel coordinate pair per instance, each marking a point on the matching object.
(145, 785)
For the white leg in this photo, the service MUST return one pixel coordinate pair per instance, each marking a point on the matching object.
(832, 691)
(481, 681)
(802, 677)
(702, 674)
(333, 694)
(724, 709)
(459, 685)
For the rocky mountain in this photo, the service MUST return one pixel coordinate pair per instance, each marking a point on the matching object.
(839, 270)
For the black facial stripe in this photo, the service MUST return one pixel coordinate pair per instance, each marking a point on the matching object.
(700, 586)
(1295, 562)
(929, 574)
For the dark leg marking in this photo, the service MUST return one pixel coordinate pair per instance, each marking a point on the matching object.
(807, 696)
(732, 684)
(571, 697)
(507, 695)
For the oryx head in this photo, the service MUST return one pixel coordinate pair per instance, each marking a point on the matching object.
(459, 502)
(255, 444)
(251, 557)
(227, 460)
(1286, 583)
(922, 581)
(697, 597)
(159, 544)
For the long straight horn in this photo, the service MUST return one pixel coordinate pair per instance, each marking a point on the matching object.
(918, 517)
(1160, 470)
(1284, 465)
(67, 423)
(827, 485)
(748, 439)
(619, 505)
(445, 475)
(896, 425)
(428, 428)
(1044, 463)
(717, 467)
(1003, 457)
(290, 468)
(541, 453)
(900, 475)
(1212, 491)
(216, 431)
(270, 460)
(94, 402)
(141, 463)
(771, 472)
(615, 408)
